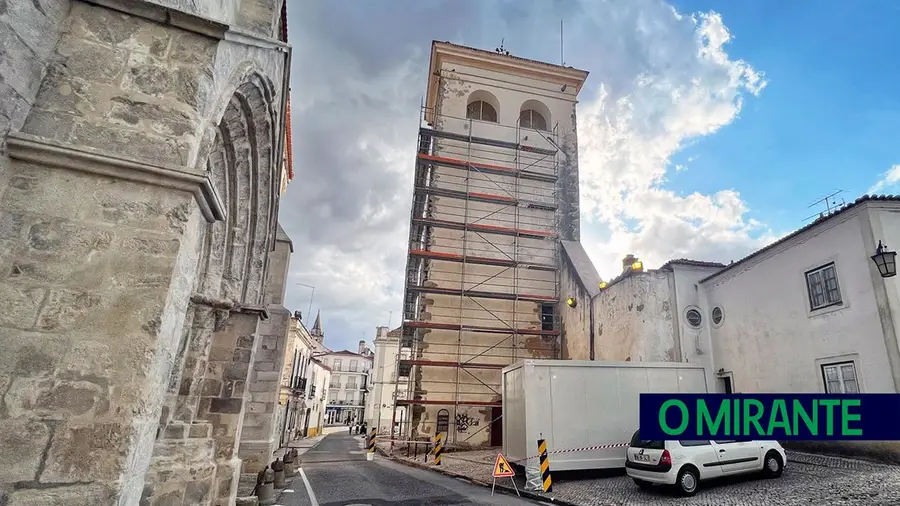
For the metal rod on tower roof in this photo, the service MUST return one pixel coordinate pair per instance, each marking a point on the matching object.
(562, 59)
(311, 295)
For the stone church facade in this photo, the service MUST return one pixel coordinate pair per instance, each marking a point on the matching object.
(141, 263)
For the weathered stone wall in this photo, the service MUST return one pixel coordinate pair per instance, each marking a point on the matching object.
(259, 434)
(104, 210)
(634, 320)
(28, 35)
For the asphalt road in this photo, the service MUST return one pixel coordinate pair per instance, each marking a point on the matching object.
(337, 474)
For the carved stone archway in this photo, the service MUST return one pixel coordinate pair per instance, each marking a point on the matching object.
(195, 457)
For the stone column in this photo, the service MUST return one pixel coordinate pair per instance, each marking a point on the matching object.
(231, 353)
(259, 437)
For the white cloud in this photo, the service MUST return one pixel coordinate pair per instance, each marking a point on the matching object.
(659, 81)
(628, 136)
(889, 178)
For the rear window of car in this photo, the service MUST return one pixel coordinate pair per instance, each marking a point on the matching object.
(637, 442)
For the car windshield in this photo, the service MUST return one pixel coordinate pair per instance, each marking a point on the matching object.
(637, 442)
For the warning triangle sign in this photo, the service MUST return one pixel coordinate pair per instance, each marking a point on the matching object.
(502, 469)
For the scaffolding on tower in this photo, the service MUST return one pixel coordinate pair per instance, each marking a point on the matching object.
(482, 272)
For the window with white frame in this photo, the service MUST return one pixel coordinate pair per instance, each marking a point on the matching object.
(840, 378)
(337, 364)
(823, 288)
(353, 365)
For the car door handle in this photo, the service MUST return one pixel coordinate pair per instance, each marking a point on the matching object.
(721, 451)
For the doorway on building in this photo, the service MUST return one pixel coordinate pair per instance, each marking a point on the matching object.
(306, 424)
(497, 426)
(726, 383)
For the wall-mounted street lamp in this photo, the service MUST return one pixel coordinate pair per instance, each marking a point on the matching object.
(571, 302)
(637, 266)
(885, 260)
(603, 285)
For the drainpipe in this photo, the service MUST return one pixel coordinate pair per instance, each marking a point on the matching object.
(591, 334)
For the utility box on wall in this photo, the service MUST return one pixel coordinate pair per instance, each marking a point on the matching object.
(575, 404)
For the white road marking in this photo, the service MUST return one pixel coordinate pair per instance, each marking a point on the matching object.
(288, 491)
(309, 490)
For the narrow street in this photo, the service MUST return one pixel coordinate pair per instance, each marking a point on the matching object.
(337, 474)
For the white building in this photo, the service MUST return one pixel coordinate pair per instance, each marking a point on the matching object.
(304, 380)
(349, 384)
(386, 384)
(808, 313)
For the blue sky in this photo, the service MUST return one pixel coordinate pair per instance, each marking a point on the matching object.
(826, 121)
(706, 128)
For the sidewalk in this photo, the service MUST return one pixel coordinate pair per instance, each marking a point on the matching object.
(302, 445)
(808, 478)
(248, 481)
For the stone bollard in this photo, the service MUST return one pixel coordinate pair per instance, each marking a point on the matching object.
(289, 458)
(278, 467)
(265, 487)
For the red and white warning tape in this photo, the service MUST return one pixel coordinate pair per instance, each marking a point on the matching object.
(584, 449)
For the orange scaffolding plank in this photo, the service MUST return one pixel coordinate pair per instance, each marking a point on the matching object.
(422, 402)
(457, 194)
(499, 262)
(485, 295)
(490, 229)
(487, 167)
(463, 365)
(480, 329)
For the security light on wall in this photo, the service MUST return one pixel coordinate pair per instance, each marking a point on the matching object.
(885, 260)
(603, 285)
(637, 266)
(571, 302)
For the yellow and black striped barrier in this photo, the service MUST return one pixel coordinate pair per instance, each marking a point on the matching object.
(546, 482)
(372, 442)
(438, 447)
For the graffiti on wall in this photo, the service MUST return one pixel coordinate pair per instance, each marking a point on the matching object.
(464, 421)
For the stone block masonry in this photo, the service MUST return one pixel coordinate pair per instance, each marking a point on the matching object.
(133, 253)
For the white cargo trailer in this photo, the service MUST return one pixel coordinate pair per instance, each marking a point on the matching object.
(575, 404)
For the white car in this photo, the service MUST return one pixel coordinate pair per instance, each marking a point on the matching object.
(686, 463)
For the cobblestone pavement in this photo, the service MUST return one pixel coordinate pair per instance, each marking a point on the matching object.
(808, 479)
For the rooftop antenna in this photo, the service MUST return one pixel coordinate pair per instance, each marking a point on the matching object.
(832, 203)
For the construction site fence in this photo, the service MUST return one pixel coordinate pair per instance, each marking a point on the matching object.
(422, 448)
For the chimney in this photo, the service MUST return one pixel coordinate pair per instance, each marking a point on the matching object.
(362, 347)
(627, 261)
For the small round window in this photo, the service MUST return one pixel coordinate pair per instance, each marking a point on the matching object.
(693, 318)
(717, 315)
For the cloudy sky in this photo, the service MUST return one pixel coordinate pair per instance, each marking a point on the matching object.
(706, 129)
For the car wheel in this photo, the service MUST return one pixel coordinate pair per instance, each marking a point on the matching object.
(688, 481)
(643, 484)
(773, 466)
